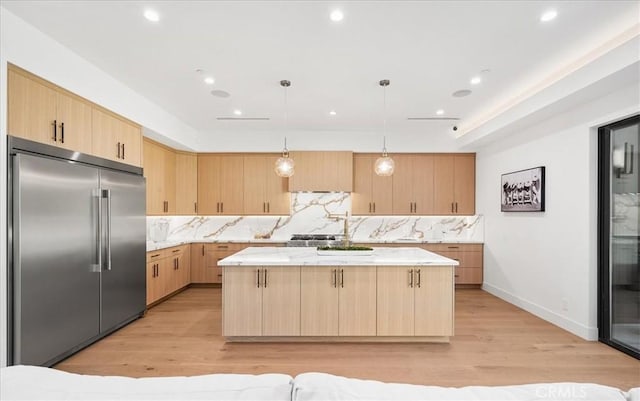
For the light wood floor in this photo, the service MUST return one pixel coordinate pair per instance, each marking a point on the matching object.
(495, 344)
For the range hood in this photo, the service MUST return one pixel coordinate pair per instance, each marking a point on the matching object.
(322, 171)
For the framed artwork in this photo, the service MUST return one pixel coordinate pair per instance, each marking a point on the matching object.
(523, 191)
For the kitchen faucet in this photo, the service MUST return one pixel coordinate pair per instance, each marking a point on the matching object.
(337, 217)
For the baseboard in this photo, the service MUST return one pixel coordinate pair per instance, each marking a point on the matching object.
(588, 333)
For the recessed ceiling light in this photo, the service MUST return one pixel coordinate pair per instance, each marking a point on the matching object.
(440, 112)
(475, 80)
(548, 16)
(332, 113)
(336, 16)
(152, 15)
(237, 112)
(461, 93)
(209, 81)
(220, 93)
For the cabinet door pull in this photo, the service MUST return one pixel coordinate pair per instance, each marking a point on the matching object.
(62, 132)
(217, 207)
(221, 207)
(334, 278)
(223, 246)
(258, 278)
(153, 270)
(456, 207)
(155, 256)
(342, 278)
(369, 207)
(451, 207)
(457, 275)
(268, 207)
(411, 278)
(195, 207)
(122, 150)
(264, 207)
(157, 270)
(118, 150)
(418, 283)
(202, 249)
(453, 247)
(374, 207)
(265, 278)
(55, 130)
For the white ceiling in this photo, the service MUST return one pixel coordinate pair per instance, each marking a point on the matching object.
(427, 49)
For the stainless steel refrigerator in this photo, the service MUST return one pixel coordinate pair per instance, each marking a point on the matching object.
(76, 250)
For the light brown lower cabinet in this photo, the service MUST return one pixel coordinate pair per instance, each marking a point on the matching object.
(167, 272)
(470, 257)
(338, 301)
(205, 258)
(368, 303)
(261, 301)
(415, 301)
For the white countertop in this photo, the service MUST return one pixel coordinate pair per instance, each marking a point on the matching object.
(154, 246)
(307, 256)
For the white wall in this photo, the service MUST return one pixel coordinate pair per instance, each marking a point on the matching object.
(546, 262)
(25, 46)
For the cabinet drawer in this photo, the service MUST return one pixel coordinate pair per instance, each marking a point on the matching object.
(468, 275)
(156, 255)
(453, 247)
(226, 247)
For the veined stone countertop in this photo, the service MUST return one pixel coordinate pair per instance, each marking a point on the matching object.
(155, 246)
(307, 256)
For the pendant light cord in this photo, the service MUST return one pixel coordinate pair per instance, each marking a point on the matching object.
(384, 120)
(285, 151)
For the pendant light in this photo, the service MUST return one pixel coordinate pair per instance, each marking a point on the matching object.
(285, 166)
(384, 165)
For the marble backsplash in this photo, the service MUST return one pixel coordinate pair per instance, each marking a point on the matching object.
(625, 214)
(310, 214)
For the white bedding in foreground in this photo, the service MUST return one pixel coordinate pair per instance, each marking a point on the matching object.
(322, 387)
(36, 383)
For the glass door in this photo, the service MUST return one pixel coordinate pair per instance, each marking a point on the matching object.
(619, 235)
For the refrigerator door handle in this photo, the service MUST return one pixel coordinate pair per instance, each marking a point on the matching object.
(97, 267)
(106, 193)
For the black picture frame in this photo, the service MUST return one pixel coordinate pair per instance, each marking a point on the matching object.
(523, 190)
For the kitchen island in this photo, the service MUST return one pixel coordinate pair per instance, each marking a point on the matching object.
(294, 294)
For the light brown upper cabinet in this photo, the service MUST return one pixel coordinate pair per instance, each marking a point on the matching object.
(372, 194)
(186, 183)
(322, 171)
(220, 184)
(41, 112)
(114, 138)
(160, 172)
(413, 184)
(264, 191)
(454, 183)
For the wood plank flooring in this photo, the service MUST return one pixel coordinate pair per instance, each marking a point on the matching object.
(496, 343)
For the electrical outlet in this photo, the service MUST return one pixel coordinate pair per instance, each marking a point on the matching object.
(565, 304)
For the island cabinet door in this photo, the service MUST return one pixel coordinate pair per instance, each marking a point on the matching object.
(396, 300)
(357, 301)
(434, 301)
(319, 301)
(281, 301)
(242, 301)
